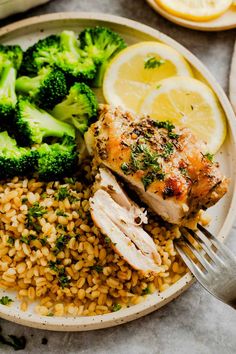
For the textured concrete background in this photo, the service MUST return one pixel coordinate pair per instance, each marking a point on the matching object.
(195, 323)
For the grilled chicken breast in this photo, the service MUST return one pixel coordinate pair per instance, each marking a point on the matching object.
(167, 166)
(120, 219)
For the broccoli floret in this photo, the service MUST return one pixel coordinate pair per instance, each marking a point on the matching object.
(78, 108)
(14, 160)
(101, 44)
(47, 89)
(60, 50)
(57, 160)
(41, 54)
(72, 60)
(12, 53)
(7, 94)
(34, 124)
(10, 59)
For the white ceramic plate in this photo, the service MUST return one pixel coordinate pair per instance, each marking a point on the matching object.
(224, 22)
(27, 32)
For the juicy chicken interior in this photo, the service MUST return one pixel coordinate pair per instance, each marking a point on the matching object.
(167, 166)
(120, 219)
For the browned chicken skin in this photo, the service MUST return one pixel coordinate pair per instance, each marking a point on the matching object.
(167, 166)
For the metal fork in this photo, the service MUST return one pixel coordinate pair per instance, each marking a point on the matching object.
(213, 264)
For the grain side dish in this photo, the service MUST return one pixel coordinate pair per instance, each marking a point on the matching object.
(51, 251)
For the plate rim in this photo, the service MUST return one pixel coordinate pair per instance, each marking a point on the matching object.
(155, 301)
(194, 25)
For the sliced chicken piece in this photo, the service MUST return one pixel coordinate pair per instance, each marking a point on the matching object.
(167, 166)
(128, 239)
(107, 181)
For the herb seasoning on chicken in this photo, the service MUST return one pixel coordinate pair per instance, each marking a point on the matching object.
(167, 166)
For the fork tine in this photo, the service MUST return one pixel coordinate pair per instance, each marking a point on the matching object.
(206, 245)
(203, 261)
(219, 245)
(190, 264)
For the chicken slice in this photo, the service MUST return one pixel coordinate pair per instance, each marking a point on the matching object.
(167, 166)
(107, 181)
(120, 227)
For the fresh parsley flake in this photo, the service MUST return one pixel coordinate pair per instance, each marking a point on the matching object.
(25, 239)
(168, 150)
(97, 267)
(210, 157)
(150, 177)
(62, 193)
(35, 212)
(146, 291)
(107, 240)
(5, 300)
(60, 243)
(116, 307)
(11, 240)
(61, 213)
(153, 63)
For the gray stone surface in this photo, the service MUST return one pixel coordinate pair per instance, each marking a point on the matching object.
(195, 323)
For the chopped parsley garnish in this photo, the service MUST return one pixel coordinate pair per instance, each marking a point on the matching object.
(35, 212)
(146, 291)
(63, 279)
(107, 240)
(116, 307)
(25, 239)
(184, 171)
(151, 177)
(97, 267)
(24, 200)
(5, 300)
(125, 167)
(61, 241)
(168, 126)
(153, 63)
(61, 213)
(43, 241)
(11, 240)
(168, 150)
(210, 157)
(164, 124)
(53, 265)
(173, 135)
(62, 193)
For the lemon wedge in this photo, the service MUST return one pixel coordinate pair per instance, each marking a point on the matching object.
(195, 10)
(190, 103)
(132, 72)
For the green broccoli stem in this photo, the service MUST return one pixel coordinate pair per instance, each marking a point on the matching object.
(50, 125)
(69, 43)
(28, 85)
(69, 108)
(6, 142)
(7, 82)
(98, 80)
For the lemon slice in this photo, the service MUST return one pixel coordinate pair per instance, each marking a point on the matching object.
(196, 10)
(190, 103)
(132, 72)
